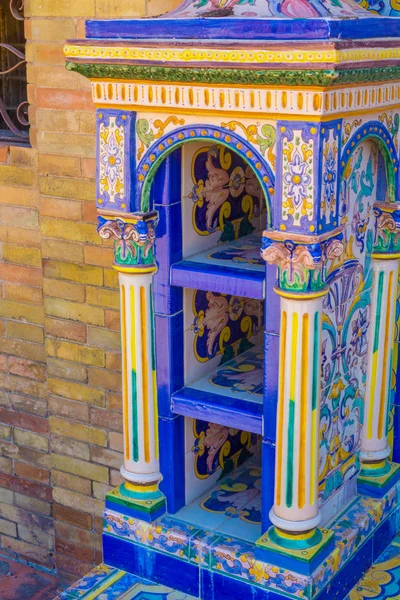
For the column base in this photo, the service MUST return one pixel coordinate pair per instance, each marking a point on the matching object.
(375, 479)
(301, 552)
(139, 502)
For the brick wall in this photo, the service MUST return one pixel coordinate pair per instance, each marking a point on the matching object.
(60, 380)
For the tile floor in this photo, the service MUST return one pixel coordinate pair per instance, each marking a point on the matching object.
(232, 507)
(20, 582)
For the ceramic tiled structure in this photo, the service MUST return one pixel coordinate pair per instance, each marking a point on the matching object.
(248, 172)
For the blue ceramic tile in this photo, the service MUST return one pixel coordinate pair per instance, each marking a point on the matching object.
(396, 427)
(151, 565)
(218, 587)
(271, 344)
(268, 474)
(384, 535)
(169, 355)
(222, 279)
(172, 448)
(223, 410)
(167, 300)
(272, 307)
(168, 249)
(349, 575)
(167, 183)
(233, 29)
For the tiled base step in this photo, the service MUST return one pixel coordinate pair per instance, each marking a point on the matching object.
(382, 581)
(107, 583)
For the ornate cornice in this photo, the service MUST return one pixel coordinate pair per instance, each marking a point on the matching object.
(319, 77)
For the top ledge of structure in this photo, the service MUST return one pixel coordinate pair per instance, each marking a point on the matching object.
(252, 20)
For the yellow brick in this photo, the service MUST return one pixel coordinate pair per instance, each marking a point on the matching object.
(23, 349)
(11, 215)
(102, 257)
(78, 501)
(22, 256)
(71, 482)
(23, 331)
(103, 338)
(105, 379)
(18, 196)
(62, 166)
(77, 189)
(47, 120)
(28, 387)
(87, 122)
(64, 290)
(17, 235)
(23, 293)
(102, 297)
(75, 352)
(69, 230)
(17, 176)
(77, 391)
(21, 312)
(59, 250)
(66, 370)
(73, 311)
(44, 53)
(62, 8)
(76, 466)
(120, 8)
(111, 278)
(52, 30)
(33, 440)
(79, 273)
(68, 143)
(23, 157)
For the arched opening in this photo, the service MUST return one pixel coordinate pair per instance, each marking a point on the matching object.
(368, 176)
(167, 144)
(209, 306)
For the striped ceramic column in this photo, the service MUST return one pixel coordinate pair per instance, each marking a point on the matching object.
(301, 286)
(377, 471)
(297, 428)
(141, 460)
(134, 260)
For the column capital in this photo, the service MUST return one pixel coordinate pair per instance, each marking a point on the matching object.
(302, 261)
(387, 230)
(134, 237)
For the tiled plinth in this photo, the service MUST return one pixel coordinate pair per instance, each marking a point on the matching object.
(381, 582)
(213, 565)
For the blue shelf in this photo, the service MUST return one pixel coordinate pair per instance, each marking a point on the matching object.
(232, 268)
(230, 395)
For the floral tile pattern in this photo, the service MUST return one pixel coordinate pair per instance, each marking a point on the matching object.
(382, 581)
(242, 377)
(107, 583)
(200, 534)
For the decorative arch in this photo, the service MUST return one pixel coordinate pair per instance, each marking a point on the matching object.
(150, 162)
(376, 131)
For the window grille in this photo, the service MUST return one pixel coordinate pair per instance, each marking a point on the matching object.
(14, 124)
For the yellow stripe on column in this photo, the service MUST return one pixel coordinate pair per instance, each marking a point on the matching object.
(125, 373)
(145, 358)
(303, 412)
(281, 406)
(386, 363)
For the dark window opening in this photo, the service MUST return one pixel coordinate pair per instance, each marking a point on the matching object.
(14, 125)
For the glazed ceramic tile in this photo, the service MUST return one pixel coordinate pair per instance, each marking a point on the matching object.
(273, 140)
